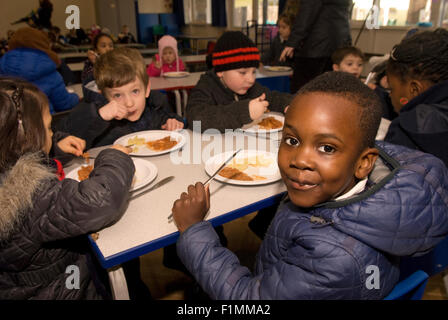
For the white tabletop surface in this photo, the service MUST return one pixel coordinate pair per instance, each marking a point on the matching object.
(145, 219)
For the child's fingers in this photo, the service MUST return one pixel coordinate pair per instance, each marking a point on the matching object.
(262, 97)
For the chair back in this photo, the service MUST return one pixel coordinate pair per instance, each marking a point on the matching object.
(432, 263)
(411, 288)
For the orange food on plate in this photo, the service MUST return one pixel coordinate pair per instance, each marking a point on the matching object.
(86, 156)
(235, 174)
(161, 144)
(84, 172)
(270, 123)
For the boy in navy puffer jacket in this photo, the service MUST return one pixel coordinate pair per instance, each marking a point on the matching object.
(353, 207)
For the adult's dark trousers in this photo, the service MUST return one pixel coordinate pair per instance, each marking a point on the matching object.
(306, 69)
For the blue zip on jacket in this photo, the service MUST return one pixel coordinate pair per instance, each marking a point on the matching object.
(348, 249)
(37, 67)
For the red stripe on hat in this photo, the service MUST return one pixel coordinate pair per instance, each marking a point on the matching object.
(233, 51)
(247, 57)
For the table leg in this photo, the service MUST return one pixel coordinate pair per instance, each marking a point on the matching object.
(178, 102)
(118, 283)
(184, 102)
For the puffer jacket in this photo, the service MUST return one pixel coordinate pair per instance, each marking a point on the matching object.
(422, 123)
(331, 251)
(320, 27)
(42, 217)
(220, 108)
(37, 67)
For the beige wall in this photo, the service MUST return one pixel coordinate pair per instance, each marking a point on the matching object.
(155, 6)
(12, 10)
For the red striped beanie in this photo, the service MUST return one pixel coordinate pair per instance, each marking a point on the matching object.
(234, 50)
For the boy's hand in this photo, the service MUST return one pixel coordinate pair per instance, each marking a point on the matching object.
(286, 108)
(121, 148)
(172, 124)
(73, 145)
(258, 106)
(113, 110)
(191, 207)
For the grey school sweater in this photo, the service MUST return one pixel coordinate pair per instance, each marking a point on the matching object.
(219, 107)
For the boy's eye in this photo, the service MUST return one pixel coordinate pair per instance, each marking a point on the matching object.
(116, 95)
(327, 149)
(135, 91)
(291, 141)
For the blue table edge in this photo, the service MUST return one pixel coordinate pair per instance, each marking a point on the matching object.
(132, 253)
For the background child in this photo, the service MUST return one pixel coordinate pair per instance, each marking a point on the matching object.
(272, 56)
(167, 60)
(102, 43)
(30, 57)
(228, 96)
(417, 73)
(348, 59)
(340, 216)
(41, 217)
(121, 77)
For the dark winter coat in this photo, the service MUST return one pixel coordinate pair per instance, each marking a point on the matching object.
(332, 250)
(272, 56)
(320, 27)
(85, 122)
(41, 219)
(422, 123)
(220, 108)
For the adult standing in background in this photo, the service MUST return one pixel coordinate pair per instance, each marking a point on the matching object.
(44, 14)
(320, 27)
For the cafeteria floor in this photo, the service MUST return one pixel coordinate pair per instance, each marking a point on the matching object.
(170, 284)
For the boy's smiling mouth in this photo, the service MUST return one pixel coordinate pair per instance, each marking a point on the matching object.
(301, 185)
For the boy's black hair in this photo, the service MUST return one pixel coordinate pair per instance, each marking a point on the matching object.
(347, 86)
(422, 56)
(340, 53)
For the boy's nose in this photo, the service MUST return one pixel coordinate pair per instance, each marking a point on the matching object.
(302, 159)
(129, 102)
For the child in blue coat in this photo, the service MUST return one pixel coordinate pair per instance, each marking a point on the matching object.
(353, 206)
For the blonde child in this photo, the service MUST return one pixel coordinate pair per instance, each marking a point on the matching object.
(42, 215)
(167, 60)
(130, 105)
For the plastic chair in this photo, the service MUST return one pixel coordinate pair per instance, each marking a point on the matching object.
(411, 288)
(158, 31)
(434, 262)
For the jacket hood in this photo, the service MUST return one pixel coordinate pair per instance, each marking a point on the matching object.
(168, 41)
(32, 64)
(404, 212)
(17, 188)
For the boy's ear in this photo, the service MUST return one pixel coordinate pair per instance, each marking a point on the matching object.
(366, 162)
(148, 89)
(219, 74)
(335, 67)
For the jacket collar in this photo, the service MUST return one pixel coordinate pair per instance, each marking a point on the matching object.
(18, 186)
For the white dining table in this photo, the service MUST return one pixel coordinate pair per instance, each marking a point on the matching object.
(145, 227)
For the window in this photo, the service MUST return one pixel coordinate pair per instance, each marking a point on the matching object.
(198, 11)
(397, 12)
(242, 12)
(263, 11)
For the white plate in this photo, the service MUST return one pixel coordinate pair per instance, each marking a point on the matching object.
(145, 173)
(278, 68)
(270, 172)
(253, 127)
(175, 74)
(151, 135)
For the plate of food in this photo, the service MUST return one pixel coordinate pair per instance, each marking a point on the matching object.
(278, 68)
(152, 142)
(249, 167)
(145, 173)
(176, 74)
(268, 123)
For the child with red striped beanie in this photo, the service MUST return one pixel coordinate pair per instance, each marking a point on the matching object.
(228, 97)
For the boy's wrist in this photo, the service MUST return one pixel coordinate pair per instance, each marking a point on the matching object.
(102, 112)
